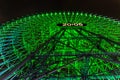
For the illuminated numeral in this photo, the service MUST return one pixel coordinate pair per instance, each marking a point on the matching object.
(71, 24)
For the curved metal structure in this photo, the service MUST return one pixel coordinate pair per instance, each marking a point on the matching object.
(64, 45)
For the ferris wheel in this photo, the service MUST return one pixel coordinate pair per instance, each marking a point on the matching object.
(60, 46)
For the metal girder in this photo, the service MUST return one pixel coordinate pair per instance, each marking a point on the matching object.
(70, 62)
(101, 36)
(111, 77)
(7, 74)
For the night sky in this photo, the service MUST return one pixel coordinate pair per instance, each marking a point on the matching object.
(12, 9)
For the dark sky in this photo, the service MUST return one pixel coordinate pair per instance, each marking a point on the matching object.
(11, 9)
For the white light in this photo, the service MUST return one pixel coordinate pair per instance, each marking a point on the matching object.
(72, 24)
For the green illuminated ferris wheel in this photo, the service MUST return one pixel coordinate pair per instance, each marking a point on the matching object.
(60, 46)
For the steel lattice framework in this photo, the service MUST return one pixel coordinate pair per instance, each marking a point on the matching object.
(37, 48)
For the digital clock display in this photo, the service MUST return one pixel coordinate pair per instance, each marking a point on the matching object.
(71, 24)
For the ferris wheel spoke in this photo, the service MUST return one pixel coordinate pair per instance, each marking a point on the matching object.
(107, 59)
(45, 58)
(70, 47)
(101, 36)
(28, 58)
(51, 72)
(96, 43)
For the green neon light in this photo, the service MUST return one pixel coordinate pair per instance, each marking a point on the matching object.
(66, 55)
